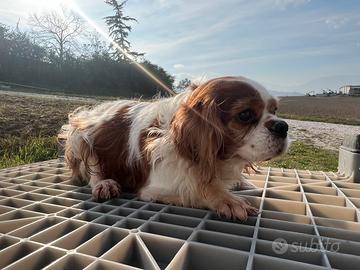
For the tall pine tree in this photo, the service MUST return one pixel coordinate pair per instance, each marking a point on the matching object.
(119, 30)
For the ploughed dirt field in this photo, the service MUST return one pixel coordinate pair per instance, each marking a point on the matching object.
(336, 109)
(34, 115)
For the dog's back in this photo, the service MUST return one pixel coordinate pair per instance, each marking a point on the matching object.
(112, 137)
(84, 124)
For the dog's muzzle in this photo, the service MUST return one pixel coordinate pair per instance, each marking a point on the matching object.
(279, 128)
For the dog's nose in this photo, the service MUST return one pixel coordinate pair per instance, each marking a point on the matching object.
(279, 128)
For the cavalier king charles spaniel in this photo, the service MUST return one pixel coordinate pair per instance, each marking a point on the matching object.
(186, 150)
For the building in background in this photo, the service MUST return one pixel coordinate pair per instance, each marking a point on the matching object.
(351, 90)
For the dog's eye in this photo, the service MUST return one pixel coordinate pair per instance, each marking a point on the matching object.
(246, 116)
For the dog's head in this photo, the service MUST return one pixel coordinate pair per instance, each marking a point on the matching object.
(229, 117)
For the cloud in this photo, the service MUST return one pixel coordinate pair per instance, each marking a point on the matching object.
(284, 4)
(337, 22)
(192, 27)
(198, 33)
(12, 12)
(261, 59)
(178, 66)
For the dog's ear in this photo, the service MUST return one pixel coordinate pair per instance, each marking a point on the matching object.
(199, 136)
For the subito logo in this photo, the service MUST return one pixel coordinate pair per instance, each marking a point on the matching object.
(279, 246)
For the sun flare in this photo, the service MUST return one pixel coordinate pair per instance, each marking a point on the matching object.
(52, 5)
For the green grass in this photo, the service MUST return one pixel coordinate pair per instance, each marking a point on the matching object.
(326, 119)
(306, 157)
(16, 151)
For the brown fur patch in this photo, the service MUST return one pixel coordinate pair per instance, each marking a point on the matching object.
(198, 140)
(268, 124)
(110, 149)
(205, 128)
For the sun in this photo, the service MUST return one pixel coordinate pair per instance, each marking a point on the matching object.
(52, 5)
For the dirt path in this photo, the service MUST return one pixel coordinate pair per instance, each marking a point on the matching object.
(48, 96)
(324, 135)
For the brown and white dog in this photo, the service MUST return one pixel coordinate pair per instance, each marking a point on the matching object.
(187, 149)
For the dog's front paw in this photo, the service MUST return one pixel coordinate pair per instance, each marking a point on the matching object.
(106, 189)
(235, 207)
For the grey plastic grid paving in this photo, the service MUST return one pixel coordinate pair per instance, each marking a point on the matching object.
(46, 222)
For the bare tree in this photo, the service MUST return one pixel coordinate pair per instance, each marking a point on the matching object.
(58, 31)
(95, 46)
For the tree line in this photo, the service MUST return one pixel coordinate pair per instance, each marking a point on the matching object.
(58, 53)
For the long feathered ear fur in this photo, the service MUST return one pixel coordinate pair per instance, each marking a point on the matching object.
(199, 136)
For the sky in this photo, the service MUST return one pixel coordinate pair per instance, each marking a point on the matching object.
(287, 45)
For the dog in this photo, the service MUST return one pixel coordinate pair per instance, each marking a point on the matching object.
(186, 150)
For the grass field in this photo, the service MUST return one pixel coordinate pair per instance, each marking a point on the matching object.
(307, 157)
(28, 128)
(29, 125)
(336, 109)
